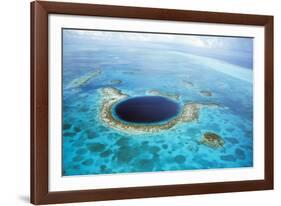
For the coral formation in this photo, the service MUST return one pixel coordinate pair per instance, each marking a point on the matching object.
(81, 81)
(206, 93)
(116, 81)
(212, 140)
(229, 158)
(163, 94)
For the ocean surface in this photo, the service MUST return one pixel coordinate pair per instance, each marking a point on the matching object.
(90, 147)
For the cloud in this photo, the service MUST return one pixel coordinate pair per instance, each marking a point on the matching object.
(210, 42)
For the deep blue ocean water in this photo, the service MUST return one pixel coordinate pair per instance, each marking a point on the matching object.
(91, 147)
(146, 109)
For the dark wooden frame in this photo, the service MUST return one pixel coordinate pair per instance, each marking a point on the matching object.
(39, 102)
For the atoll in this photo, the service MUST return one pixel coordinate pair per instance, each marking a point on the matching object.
(163, 94)
(212, 140)
(80, 81)
(110, 96)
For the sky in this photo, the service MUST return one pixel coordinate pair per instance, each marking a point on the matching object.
(209, 42)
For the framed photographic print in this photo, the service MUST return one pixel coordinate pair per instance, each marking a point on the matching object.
(131, 102)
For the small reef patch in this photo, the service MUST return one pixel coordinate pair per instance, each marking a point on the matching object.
(206, 93)
(212, 140)
(240, 154)
(180, 159)
(163, 94)
(228, 158)
(83, 80)
(116, 81)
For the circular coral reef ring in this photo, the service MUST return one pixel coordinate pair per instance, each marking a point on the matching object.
(146, 110)
(112, 97)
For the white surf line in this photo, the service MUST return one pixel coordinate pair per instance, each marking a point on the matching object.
(224, 67)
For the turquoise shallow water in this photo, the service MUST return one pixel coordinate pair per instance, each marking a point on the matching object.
(91, 147)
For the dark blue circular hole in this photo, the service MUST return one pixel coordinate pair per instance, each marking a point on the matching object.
(146, 109)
